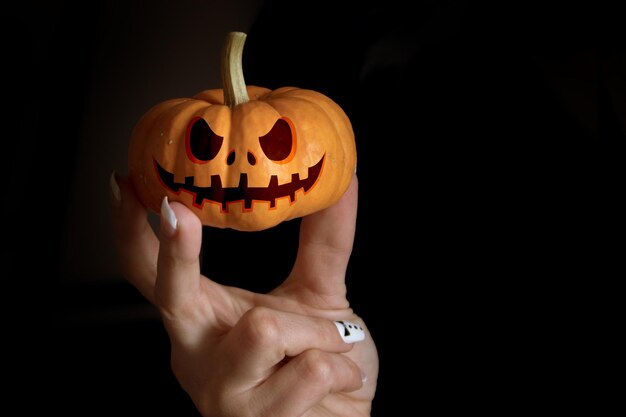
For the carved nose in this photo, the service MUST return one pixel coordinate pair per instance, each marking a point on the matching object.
(231, 158)
(251, 158)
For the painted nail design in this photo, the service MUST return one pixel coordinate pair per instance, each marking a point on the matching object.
(350, 332)
(169, 215)
(115, 190)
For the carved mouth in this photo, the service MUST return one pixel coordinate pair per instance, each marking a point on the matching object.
(215, 193)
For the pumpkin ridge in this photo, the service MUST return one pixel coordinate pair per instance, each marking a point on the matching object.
(314, 97)
(311, 101)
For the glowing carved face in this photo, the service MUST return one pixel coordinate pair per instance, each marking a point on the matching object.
(282, 155)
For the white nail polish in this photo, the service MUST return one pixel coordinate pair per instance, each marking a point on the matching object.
(115, 190)
(350, 332)
(168, 214)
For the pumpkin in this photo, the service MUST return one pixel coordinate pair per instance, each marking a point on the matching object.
(243, 157)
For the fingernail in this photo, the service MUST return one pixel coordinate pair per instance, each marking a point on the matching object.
(168, 216)
(115, 190)
(350, 332)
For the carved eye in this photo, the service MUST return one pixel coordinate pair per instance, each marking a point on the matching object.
(279, 144)
(202, 143)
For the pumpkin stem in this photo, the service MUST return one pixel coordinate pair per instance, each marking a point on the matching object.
(235, 91)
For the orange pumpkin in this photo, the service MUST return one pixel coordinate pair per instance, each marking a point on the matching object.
(244, 157)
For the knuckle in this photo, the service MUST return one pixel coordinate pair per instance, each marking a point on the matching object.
(316, 367)
(261, 327)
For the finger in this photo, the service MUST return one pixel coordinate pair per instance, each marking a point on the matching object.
(136, 243)
(325, 245)
(264, 337)
(305, 380)
(178, 266)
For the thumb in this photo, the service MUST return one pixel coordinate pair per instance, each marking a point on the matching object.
(178, 265)
(324, 250)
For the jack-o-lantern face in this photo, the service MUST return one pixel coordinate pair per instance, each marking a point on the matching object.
(283, 154)
(244, 157)
(277, 146)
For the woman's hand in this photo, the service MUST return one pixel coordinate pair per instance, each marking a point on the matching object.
(291, 352)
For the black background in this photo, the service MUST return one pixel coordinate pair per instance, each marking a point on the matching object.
(488, 141)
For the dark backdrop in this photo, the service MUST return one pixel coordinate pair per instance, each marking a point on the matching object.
(486, 141)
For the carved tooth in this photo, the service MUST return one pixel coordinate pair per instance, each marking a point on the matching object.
(273, 182)
(179, 178)
(216, 182)
(243, 181)
(295, 180)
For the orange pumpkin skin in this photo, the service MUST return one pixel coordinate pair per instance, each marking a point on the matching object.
(281, 155)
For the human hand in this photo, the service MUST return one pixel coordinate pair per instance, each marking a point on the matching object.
(239, 353)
